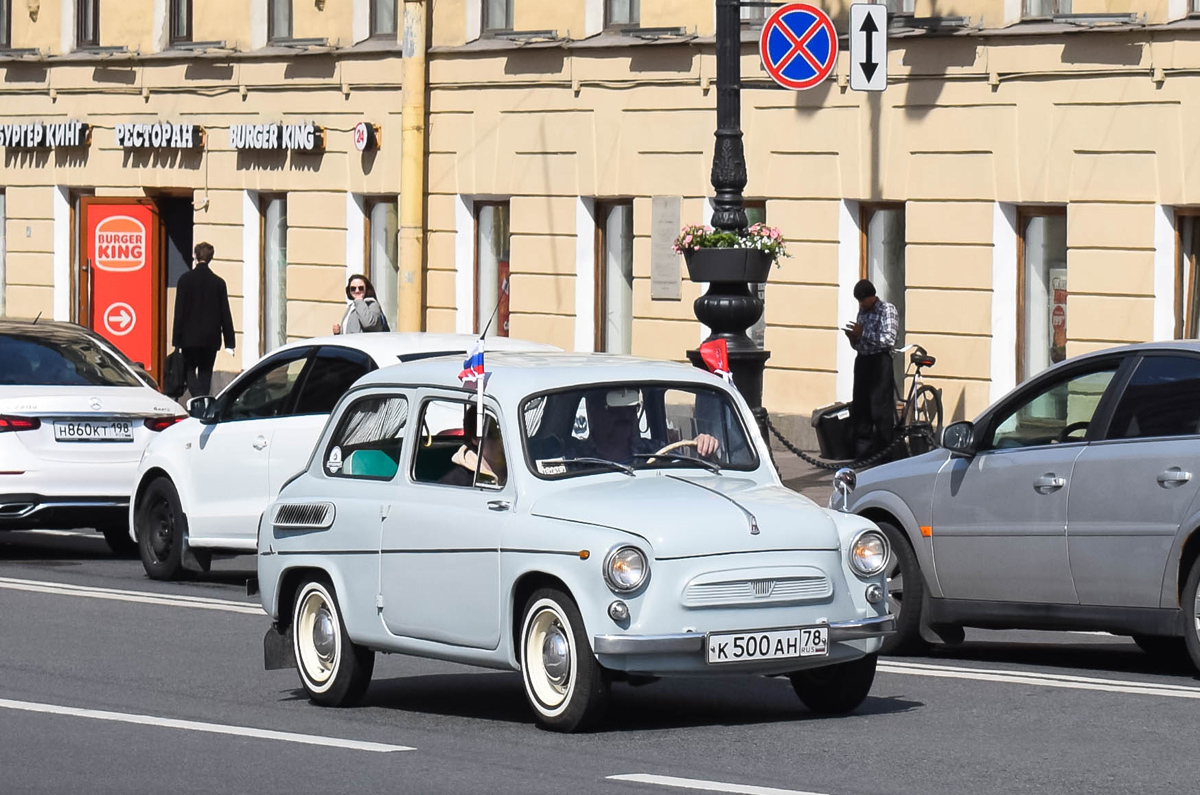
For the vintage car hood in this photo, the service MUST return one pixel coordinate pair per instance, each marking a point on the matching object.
(681, 516)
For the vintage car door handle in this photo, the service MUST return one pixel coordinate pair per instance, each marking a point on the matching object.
(1173, 477)
(499, 505)
(260, 442)
(1048, 483)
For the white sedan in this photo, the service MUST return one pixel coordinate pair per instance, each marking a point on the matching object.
(204, 484)
(75, 417)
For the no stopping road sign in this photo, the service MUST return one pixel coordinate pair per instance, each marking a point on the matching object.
(798, 46)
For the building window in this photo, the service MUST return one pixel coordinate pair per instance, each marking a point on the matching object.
(181, 21)
(622, 13)
(753, 15)
(906, 6)
(882, 258)
(497, 15)
(1187, 276)
(382, 256)
(383, 17)
(5, 24)
(279, 19)
(274, 272)
(491, 268)
(1041, 290)
(614, 276)
(87, 23)
(1044, 9)
(756, 213)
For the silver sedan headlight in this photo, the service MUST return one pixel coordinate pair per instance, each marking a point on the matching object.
(869, 553)
(625, 569)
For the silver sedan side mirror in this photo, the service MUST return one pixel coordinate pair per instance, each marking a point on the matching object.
(844, 482)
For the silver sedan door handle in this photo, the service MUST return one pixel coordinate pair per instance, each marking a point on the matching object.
(499, 505)
(260, 442)
(1173, 477)
(1048, 483)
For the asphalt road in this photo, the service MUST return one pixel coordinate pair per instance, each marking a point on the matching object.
(112, 683)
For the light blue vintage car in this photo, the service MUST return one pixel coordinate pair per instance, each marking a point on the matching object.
(652, 539)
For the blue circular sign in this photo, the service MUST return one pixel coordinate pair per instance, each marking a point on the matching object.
(798, 46)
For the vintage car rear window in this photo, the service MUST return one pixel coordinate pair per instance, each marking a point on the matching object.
(614, 426)
(369, 438)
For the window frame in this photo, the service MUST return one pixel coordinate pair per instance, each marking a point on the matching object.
(264, 201)
(272, 34)
(339, 427)
(485, 26)
(490, 410)
(1024, 214)
(316, 356)
(82, 41)
(173, 18)
(636, 11)
(1131, 365)
(1026, 16)
(369, 203)
(500, 326)
(601, 210)
(6, 19)
(374, 20)
(1186, 295)
(242, 382)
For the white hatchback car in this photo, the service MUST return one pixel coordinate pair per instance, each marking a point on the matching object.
(75, 417)
(204, 484)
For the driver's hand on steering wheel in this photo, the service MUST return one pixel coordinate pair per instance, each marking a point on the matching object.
(706, 445)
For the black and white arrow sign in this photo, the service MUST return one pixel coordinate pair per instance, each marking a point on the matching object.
(868, 47)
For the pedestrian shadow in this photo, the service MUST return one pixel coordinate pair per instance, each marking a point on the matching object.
(674, 703)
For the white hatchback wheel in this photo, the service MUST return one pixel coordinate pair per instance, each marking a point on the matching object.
(317, 637)
(548, 657)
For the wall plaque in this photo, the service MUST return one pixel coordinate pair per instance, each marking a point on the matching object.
(666, 284)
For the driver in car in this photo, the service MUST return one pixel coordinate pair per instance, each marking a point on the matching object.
(613, 430)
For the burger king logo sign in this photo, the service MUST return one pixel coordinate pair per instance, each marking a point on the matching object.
(120, 244)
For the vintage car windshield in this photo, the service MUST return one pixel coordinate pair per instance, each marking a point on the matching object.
(622, 426)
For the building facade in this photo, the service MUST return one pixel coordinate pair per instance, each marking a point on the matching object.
(1027, 188)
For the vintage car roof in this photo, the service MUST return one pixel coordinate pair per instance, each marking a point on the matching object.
(514, 375)
(385, 347)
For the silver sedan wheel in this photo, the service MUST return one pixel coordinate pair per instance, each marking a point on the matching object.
(548, 657)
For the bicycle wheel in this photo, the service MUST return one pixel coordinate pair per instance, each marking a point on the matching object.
(923, 420)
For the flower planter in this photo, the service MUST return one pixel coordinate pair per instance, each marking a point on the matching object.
(727, 264)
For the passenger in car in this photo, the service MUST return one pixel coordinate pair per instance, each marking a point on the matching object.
(493, 469)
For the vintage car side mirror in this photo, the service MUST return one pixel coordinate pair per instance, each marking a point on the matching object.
(844, 482)
(959, 439)
(203, 408)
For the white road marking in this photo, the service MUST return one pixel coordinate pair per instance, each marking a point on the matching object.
(142, 597)
(707, 786)
(1041, 679)
(196, 726)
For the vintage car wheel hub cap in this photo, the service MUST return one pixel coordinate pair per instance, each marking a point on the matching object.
(323, 635)
(317, 633)
(556, 657)
(549, 659)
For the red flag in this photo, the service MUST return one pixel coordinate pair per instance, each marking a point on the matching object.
(715, 354)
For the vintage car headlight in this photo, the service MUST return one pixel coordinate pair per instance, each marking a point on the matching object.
(625, 569)
(869, 552)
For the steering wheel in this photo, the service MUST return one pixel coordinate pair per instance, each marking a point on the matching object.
(670, 447)
(1065, 434)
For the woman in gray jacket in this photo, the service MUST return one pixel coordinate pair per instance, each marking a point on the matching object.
(363, 313)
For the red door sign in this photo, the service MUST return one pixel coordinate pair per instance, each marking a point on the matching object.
(121, 247)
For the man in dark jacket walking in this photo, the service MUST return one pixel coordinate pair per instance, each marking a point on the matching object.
(202, 317)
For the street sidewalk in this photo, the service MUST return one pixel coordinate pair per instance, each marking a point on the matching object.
(798, 475)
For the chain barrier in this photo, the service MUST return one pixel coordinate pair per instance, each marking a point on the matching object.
(902, 433)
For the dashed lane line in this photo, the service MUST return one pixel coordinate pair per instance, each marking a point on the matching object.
(142, 597)
(198, 726)
(1040, 679)
(705, 786)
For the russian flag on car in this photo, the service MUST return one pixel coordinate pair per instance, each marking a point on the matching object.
(473, 365)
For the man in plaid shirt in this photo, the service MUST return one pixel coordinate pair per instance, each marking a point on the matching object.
(872, 335)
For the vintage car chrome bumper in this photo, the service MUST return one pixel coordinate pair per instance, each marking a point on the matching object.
(688, 642)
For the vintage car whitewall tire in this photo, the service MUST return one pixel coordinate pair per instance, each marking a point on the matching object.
(334, 671)
(906, 593)
(838, 688)
(1189, 602)
(161, 526)
(564, 683)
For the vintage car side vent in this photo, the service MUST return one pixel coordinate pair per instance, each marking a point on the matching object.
(306, 515)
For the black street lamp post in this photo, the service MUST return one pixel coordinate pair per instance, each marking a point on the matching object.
(729, 307)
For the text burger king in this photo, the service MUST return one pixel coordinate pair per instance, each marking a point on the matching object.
(120, 244)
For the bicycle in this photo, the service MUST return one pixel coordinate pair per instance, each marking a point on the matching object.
(919, 415)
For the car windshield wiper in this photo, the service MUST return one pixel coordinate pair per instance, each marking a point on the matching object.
(709, 465)
(628, 470)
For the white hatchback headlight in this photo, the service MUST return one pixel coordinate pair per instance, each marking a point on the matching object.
(869, 553)
(625, 569)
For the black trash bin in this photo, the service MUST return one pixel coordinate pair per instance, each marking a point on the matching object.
(835, 431)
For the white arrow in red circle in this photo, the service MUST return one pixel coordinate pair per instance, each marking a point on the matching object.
(120, 319)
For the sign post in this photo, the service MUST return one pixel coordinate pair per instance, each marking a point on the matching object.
(868, 47)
